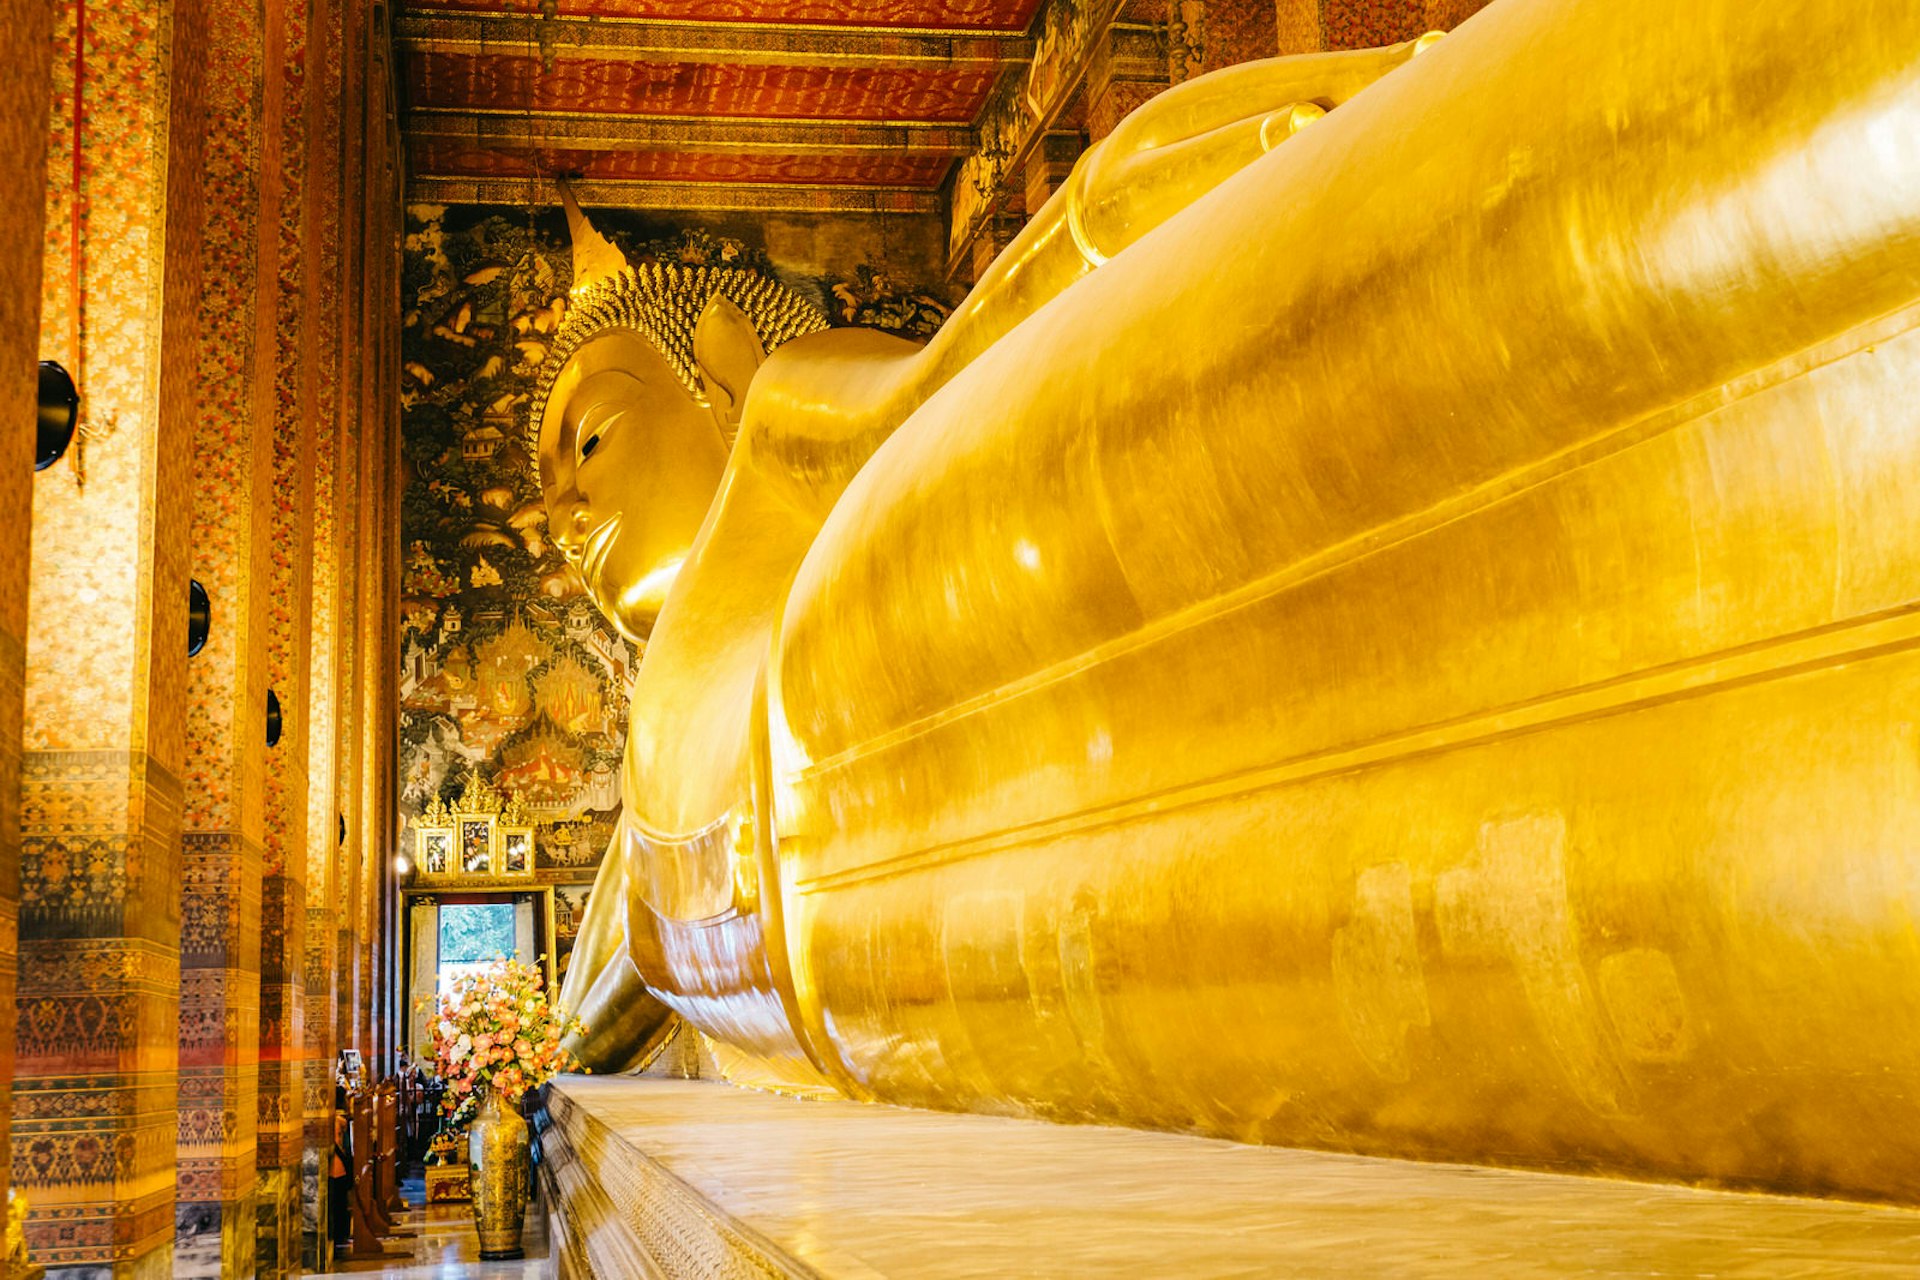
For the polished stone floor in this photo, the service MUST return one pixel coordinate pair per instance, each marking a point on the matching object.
(438, 1243)
(847, 1190)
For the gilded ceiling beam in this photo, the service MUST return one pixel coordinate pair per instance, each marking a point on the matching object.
(679, 197)
(689, 42)
(723, 136)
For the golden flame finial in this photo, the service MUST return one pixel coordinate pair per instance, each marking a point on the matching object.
(595, 258)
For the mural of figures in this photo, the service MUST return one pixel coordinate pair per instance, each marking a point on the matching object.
(508, 671)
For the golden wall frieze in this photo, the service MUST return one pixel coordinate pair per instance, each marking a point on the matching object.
(685, 197)
(695, 42)
(722, 135)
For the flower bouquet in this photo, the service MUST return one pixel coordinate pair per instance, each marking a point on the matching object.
(495, 1036)
(496, 1030)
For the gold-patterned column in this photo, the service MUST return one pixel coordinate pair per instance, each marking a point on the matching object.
(357, 1023)
(1129, 66)
(233, 505)
(366, 842)
(26, 35)
(1308, 26)
(387, 600)
(996, 234)
(1049, 164)
(351, 498)
(283, 908)
(1297, 26)
(1232, 31)
(332, 538)
(103, 741)
(379, 551)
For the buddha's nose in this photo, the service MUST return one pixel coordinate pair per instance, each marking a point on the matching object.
(570, 529)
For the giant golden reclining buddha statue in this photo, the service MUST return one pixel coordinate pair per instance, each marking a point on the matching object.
(1396, 635)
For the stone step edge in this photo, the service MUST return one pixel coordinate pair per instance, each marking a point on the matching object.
(618, 1214)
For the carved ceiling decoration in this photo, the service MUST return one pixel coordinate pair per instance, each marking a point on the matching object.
(860, 105)
(493, 82)
(930, 15)
(969, 109)
(814, 169)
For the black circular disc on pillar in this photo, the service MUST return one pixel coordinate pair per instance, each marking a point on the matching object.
(59, 412)
(273, 718)
(199, 616)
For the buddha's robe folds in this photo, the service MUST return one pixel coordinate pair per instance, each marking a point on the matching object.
(1415, 655)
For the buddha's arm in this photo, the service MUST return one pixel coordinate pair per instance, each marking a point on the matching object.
(1164, 156)
(822, 404)
(624, 1023)
(826, 402)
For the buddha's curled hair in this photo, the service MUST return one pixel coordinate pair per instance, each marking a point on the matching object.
(662, 303)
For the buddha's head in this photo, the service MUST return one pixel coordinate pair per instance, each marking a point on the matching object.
(637, 407)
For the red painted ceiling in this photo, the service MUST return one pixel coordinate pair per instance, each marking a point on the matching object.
(454, 159)
(744, 84)
(516, 82)
(992, 15)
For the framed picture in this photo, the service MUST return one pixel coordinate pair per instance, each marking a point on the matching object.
(485, 836)
(516, 851)
(476, 846)
(436, 851)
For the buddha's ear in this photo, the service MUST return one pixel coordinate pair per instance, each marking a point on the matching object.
(727, 351)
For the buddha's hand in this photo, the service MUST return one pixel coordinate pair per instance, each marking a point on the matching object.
(1180, 145)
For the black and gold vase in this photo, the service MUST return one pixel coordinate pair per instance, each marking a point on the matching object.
(498, 1149)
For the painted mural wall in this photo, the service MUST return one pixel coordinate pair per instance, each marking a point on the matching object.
(507, 669)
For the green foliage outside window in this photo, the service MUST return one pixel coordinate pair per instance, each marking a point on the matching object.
(475, 932)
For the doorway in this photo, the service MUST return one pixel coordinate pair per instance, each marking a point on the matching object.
(450, 934)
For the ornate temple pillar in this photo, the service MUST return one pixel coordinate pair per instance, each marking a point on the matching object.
(1309, 26)
(384, 931)
(26, 38)
(333, 537)
(103, 736)
(1048, 165)
(1297, 26)
(1208, 35)
(353, 513)
(283, 908)
(996, 234)
(362, 876)
(233, 504)
(1129, 66)
(362, 904)
(379, 552)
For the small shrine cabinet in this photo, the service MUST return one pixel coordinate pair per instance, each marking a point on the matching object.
(482, 837)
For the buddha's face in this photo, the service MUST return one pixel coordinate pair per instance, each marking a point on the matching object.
(629, 462)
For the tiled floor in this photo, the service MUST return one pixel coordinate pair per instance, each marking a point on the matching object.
(438, 1243)
(859, 1191)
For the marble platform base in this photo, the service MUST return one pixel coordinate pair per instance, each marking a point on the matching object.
(672, 1178)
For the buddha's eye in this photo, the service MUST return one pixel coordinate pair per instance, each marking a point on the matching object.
(594, 430)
